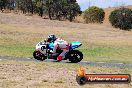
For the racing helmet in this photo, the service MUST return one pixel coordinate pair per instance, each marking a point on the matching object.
(51, 38)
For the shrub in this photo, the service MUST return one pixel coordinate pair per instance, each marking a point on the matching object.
(121, 18)
(94, 15)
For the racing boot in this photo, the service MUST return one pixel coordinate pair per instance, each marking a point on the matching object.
(59, 58)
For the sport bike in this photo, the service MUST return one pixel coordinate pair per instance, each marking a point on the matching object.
(43, 48)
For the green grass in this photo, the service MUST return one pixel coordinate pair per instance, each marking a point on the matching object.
(20, 42)
(16, 51)
(108, 54)
(94, 53)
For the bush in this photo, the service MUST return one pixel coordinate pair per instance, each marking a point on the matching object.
(121, 18)
(94, 15)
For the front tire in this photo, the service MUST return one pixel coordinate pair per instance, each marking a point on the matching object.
(39, 56)
(75, 56)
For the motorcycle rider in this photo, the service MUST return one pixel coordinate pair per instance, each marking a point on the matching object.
(59, 43)
(51, 38)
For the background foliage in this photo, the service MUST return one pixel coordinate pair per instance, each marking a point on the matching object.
(94, 15)
(55, 9)
(121, 18)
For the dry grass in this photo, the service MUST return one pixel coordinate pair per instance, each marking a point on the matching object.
(21, 74)
(19, 34)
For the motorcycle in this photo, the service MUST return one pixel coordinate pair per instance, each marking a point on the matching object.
(43, 48)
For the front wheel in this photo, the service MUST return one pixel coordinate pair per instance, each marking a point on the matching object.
(39, 56)
(75, 56)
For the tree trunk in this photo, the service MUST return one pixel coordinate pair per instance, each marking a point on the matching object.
(32, 9)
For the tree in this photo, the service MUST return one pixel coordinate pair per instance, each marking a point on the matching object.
(56, 9)
(121, 18)
(67, 9)
(94, 15)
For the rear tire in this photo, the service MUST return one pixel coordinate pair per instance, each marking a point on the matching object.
(75, 56)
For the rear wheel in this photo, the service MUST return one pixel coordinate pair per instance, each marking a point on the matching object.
(75, 56)
(39, 56)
